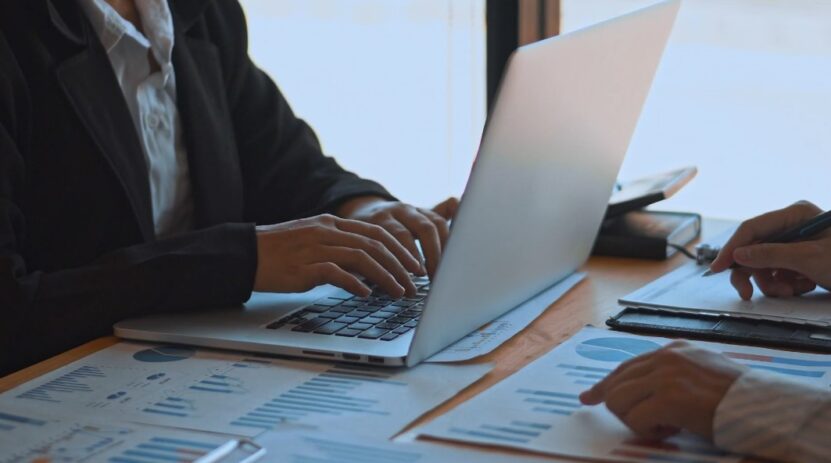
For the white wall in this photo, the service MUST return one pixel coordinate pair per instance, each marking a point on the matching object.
(744, 93)
(395, 89)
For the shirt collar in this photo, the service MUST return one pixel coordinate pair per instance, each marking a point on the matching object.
(156, 20)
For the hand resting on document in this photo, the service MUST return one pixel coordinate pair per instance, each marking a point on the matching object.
(660, 393)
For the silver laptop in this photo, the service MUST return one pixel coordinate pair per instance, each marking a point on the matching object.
(551, 151)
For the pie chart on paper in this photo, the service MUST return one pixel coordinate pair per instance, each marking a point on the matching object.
(164, 354)
(615, 349)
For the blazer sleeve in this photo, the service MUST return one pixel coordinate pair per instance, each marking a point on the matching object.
(42, 314)
(285, 173)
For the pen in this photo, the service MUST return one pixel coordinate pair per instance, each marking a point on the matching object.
(800, 232)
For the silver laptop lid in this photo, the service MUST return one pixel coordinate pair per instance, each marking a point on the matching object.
(565, 114)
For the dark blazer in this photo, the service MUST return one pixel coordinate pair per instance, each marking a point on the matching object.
(77, 247)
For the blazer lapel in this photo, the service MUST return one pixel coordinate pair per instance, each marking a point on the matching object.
(93, 91)
(208, 132)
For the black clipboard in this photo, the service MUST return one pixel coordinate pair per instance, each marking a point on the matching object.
(723, 327)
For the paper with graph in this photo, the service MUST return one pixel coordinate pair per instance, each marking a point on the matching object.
(492, 335)
(538, 409)
(28, 436)
(239, 394)
(342, 447)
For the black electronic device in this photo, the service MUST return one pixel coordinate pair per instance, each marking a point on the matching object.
(647, 234)
(637, 194)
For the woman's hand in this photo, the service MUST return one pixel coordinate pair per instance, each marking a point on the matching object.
(408, 223)
(662, 392)
(779, 269)
(296, 256)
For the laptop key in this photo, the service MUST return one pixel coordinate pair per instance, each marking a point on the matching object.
(384, 315)
(347, 319)
(399, 320)
(372, 320)
(348, 332)
(389, 336)
(341, 294)
(373, 333)
(387, 326)
(360, 326)
(393, 309)
(358, 313)
(341, 309)
(317, 308)
(402, 329)
(411, 323)
(331, 314)
(310, 325)
(330, 328)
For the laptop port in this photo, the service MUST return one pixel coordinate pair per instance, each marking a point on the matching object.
(321, 354)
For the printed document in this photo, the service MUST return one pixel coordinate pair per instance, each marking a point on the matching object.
(537, 408)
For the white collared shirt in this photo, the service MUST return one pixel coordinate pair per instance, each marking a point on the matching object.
(769, 417)
(151, 98)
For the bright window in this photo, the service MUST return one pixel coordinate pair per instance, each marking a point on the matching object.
(744, 93)
(395, 89)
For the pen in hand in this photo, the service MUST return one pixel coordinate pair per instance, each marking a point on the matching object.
(803, 231)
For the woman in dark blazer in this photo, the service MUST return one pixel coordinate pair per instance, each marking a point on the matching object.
(78, 250)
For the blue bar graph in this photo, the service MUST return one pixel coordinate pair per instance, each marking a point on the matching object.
(9, 422)
(333, 392)
(320, 450)
(70, 383)
(584, 368)
(779, 360)
(220, 384)
(790, 371)
(775, 364)
(520, 432)
(171, 406)
(551, 402)
(164, 449)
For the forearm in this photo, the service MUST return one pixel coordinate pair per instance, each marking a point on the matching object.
(765, 416)
(46, 313)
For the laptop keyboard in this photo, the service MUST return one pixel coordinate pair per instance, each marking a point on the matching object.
(377, 316)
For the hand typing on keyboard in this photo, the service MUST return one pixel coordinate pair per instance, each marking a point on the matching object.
(377, 316)
(407, 224)
(296, 256)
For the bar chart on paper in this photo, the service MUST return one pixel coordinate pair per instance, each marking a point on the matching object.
(538, 407)
(237, 394)
(343, 447)
(26, 437)
(334, 392)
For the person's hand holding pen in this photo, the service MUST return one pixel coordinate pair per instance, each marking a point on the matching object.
(779, 269)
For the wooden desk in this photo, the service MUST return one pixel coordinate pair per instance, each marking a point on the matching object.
(591, 302)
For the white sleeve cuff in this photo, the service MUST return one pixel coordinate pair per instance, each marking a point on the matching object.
(767, 416)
